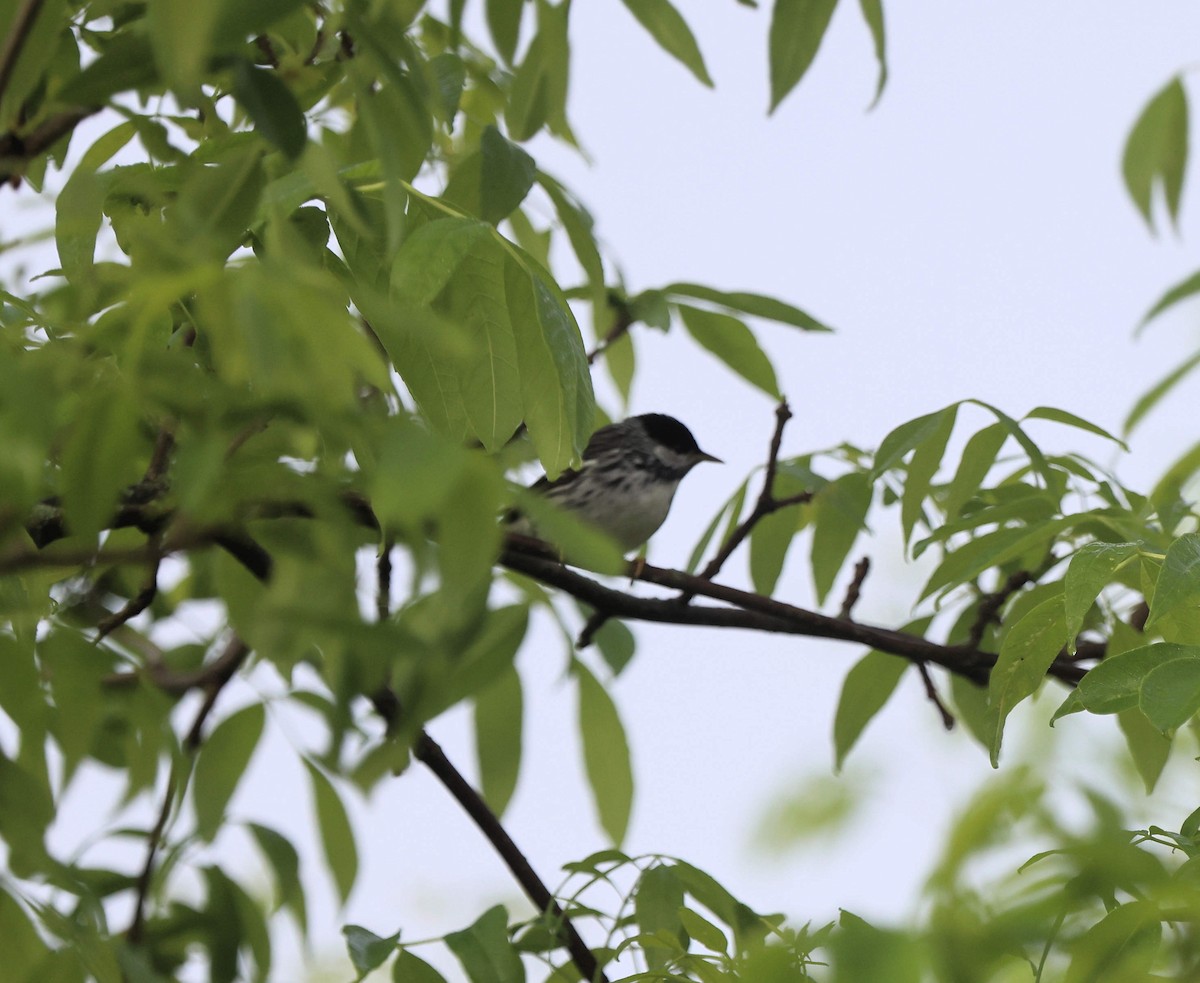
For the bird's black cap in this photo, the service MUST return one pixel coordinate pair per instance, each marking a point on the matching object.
(671, 433)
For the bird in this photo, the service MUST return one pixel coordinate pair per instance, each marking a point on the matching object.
(627, 480)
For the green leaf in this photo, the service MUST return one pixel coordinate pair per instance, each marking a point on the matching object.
(1152, 397)
(26, 809)
(977, 459)
(127, 62)
(284, 862)
(78, 214)
(1090, 571)
(605, 754)
(872, 11)
(797, 28)
(703, 931)
(1179, 292)
(23, 948)
(337, 835)
(667, 26)
(183, 35)
(1123, 945)
(770, 540)
(32, 60)
(867, 687)
(271, 106)
(1170, 693)
(224, 759)
(1071, 420)
(1037, 459)
(100, 456)
(539, 90)
(926, 459)
(1156, 151)
(494, 181)
(616, 644)
(734, 344)
(409, 968)
(368, 951)
(1028, 649)
(1179, 579)
(1148, 747)
(839, 514)
(504, 25)
(908, 435)
(485, 951)
(1114, 684)
(498, 717)
(756, 305)
(657, 901)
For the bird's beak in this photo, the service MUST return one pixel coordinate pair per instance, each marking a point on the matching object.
(708, 457)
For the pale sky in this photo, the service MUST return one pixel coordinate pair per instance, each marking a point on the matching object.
(969, 237)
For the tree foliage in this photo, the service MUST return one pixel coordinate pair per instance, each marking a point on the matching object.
(306, 324)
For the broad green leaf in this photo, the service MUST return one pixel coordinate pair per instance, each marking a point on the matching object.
(772, 537)
(1114, 684)
(1090, 571)
(733, 503)
(224, 759)
(971, 559)
(667, 26)
(499, 713)
(863, 952)
(839, 515)
(100, 456)
(605, 754)
(398, 122)
(127, 62)
(656, 904)
(284, 862)
(579, 227)
(26, 809)
(23, 948)
(971, 707)
(1148, 746)
(926, 459)
(271, 107)
(492, 182)
(1037, 459)
(908, 435)
(734, 344)
(872, 11)
(1154, 395)
(337, 835)
(485, 951)
(616, 644)
(1179, 579)
(1123, 945)
(504, 25)
(1156, 152)
(1071, 420)
(756, 305)
(867, 687)
(977, 459)
(410, 968)
(78, 214)
(1026, 653)
(368, 951)
(182, 35)
(1186, 288)
(448, 77)
(1170, 693)
(703, 931)
(797, 28)
(539, 90)
(31, 60)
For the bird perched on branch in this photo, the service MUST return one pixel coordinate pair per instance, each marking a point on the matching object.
(628, 478)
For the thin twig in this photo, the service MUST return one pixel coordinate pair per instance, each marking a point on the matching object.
(235, 652)
(134, 606)
(383, 576)
(854, 591)
(932, 693)
(767, 502)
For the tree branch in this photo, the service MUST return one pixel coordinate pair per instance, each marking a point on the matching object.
(756, 612)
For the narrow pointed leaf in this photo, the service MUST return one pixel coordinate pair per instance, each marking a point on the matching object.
(667, 26)
(1157, 150)
(797, 28)
(1090, 571)
(1179, 579)
(605, 754)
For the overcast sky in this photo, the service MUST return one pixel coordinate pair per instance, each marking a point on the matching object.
(969, 237)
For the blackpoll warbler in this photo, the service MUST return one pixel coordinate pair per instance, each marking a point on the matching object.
(628, 478)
